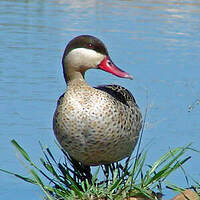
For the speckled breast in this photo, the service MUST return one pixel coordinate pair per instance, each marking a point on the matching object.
(94, 128)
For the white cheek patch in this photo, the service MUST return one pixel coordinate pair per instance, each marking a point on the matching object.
(84, 57)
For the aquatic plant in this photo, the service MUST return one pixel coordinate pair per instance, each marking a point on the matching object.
(68, 179)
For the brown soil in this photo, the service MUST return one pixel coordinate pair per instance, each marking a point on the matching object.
(187, 195)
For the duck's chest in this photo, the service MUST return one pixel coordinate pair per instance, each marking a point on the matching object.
(83, 107)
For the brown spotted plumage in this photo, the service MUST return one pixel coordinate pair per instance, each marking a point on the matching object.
(95, 125)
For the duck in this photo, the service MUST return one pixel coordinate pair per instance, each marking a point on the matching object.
(95, 125)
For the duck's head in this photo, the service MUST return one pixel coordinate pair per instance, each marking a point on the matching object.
(88, 52)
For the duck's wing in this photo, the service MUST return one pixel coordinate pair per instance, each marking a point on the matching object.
(119, 93)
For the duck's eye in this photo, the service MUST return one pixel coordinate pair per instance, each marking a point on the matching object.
(90, 45)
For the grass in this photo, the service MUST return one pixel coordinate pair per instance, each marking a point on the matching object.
(69, 179)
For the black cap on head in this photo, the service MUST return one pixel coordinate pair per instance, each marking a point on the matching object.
(86, 41)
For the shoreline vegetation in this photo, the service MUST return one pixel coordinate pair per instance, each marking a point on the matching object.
(135, 179)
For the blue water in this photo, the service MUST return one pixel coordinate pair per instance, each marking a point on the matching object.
(158, 42)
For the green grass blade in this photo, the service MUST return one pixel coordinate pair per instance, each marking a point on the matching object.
(169, 167)
(21, 150)
(163, 159)
(174, 187)
(26, 179)
(173, 162)
(40, 184)
(36, 177)
(139, 165)
(26, 156)
(50, 168)
(115, 185)
(44, 150)
(77, 191)
(59, 192)
(141, 191)
(177, 165)
(71, 183)
(68, 180)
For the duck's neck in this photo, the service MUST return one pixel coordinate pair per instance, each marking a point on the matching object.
(73, 77)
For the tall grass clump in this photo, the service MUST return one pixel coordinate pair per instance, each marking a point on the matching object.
(69, 179)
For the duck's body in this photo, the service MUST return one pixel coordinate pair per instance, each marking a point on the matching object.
(95, 125)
